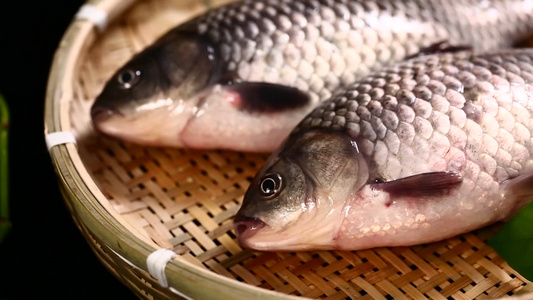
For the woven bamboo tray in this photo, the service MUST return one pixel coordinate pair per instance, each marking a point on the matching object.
(129, 201)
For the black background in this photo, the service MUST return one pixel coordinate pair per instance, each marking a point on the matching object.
(44, 256)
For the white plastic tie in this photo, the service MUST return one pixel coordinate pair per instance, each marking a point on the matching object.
(58, 138)
(157, 263)
(94, 15)
(175, 291)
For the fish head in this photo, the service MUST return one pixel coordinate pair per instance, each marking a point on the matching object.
(179, 92)
(156, 91)
(297, 201)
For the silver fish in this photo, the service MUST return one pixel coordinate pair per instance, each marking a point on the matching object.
(240, 77)
(427, 149)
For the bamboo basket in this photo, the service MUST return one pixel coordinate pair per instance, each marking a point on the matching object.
(129, 201)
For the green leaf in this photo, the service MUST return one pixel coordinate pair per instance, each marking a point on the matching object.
(5, 225)
(514, 242)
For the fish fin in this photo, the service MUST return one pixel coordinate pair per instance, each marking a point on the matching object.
(425, 184)
(440, 47)
(521, 189)
(264, 97)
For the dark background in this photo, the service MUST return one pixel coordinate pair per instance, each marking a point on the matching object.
(44, 256)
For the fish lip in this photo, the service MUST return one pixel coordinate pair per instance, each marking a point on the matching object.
(246, 227)
(101, 114)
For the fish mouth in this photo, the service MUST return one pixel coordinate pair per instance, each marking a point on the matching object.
(156, 122)
(246, 227)
(256, 235)
(101, 114)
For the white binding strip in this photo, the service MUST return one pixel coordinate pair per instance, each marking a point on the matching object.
(94, 15)
(157, 262)
(175, 291)
(59, 138)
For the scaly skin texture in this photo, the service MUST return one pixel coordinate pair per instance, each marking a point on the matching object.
(183, 97)
(319, 46)
(417, 152)
(465, 113)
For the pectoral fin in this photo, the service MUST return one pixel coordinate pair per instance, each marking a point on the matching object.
(263, 97)
(425, 184)
(440, 47)
(520, 189)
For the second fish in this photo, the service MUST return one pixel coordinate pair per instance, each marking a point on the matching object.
(241, 76)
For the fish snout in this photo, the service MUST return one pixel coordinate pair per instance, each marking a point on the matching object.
(101, 113)
(246, 227)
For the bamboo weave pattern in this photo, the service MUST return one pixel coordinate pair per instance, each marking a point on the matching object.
(185, 200)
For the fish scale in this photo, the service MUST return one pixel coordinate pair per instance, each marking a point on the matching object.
(241, 76)
(472, 112)
(319, 46)
(446, 151)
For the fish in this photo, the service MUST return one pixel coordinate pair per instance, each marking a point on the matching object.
(414, 153)
(241, 76)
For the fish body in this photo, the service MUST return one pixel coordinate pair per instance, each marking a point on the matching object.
(417, 152)
(241, 76)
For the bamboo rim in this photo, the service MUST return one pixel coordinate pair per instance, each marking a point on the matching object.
(84, 194)
(94, 215)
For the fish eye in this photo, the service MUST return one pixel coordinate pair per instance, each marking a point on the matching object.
(270, 185)
(128, 78)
